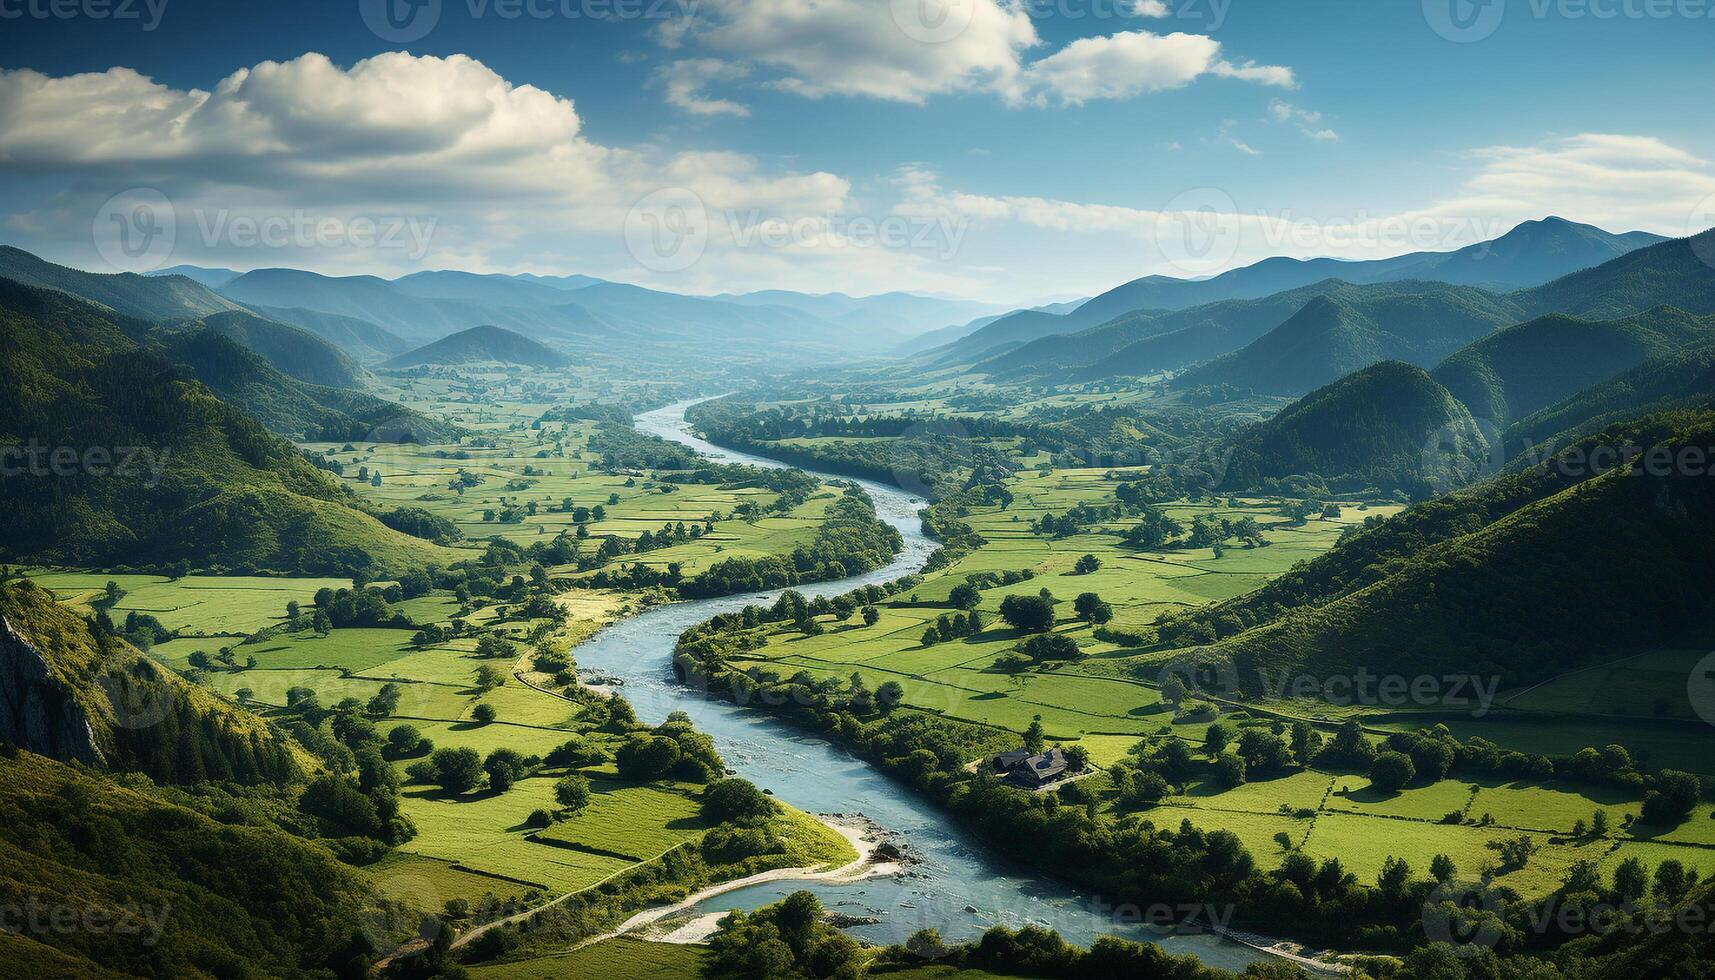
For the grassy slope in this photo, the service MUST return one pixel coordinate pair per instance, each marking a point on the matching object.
(233, 897)
(1521, 369)
(1627, 551)
(1374, 427)
(228, 493)
(1353, 328)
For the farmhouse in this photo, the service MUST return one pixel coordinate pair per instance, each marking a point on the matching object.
(1022, 768)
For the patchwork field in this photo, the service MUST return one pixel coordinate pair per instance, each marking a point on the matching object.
(196, 604)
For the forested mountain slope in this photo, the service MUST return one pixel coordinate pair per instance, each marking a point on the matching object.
(155, 469)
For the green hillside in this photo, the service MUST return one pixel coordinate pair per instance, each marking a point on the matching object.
(197, 898)
(481, 345)
(91, 697)
(359, 338)
(1524, 368)
(1677, 273)
(1678, 378)
(147, 455)
(159, 298)
(1352, 328)
(295, 351)
(289, 407)
(1388, 426)
(1612, 564)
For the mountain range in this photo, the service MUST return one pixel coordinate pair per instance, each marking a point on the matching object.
(1531, 254)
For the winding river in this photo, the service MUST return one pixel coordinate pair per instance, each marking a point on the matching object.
(814, 775)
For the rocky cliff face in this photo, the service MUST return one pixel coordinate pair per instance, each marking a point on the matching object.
(37, 711)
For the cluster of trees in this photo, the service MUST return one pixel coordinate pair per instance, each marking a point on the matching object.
(953, 627)
(420, 523)
(1075, 520)
(1155, 531)
(851, 540)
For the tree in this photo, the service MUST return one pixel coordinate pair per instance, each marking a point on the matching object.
(1392, 771)
(1631, 881)
(889, 695)
(931, 637)
(1033, 735)
(1674, 797)
(1230, 770)
(871, 615)
(321, 623)
(404, 739)
(1087, 564)
(1672, 881)
(1216, 737)
(483, 713)
(456, 770)
(736, 799)
(504, 767)
(1599, 823)
(1442, 869)
(1173, 689)
(1030, 614)
(965, 596)
(489, 677)
(1091, 609)
(572, 792)
(646, 757)
(1049, 646)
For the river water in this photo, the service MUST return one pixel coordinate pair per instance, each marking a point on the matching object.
(819, 777)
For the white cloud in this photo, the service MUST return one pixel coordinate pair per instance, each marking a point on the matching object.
(502, 172)
(686, 80)
(1126, 64)
(854, 47)
(1619, 183)
(910, 51)
(1226, 138)
(1308, 122)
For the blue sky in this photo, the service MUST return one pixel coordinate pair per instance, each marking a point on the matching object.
(1050, 148)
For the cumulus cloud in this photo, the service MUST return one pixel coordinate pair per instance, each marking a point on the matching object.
(908, 52)
(503, 172)
(854, 47)
(1126, 64)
